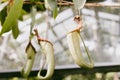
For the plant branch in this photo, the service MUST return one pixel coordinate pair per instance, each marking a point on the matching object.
(67, 3)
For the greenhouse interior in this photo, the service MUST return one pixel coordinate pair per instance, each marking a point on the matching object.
(59, 39)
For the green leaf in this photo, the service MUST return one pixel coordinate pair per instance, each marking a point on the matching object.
(23, 12)
(12, 16)
(15, 30)
(40, 7)
(55, 13)
(3, 15)
(52, 5)
(3, 5)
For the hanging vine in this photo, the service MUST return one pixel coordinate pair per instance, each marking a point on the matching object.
(11, 13)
